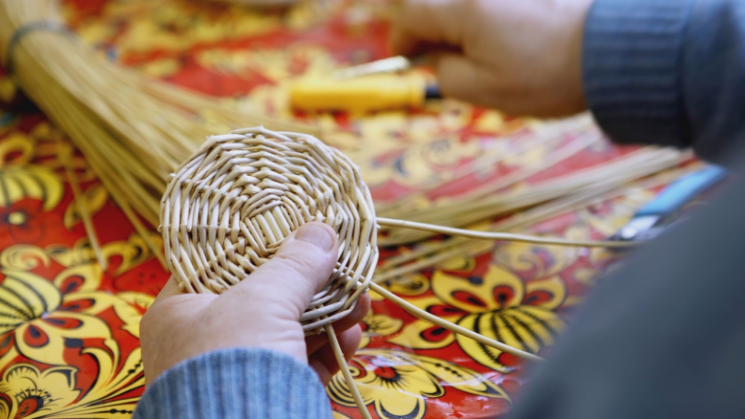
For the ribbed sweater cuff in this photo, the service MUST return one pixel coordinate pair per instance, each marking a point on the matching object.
(236, 383)
(632, 65)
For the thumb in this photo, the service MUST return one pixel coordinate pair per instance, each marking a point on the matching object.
(300, 268)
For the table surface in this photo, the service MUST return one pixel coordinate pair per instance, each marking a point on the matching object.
(70, 344)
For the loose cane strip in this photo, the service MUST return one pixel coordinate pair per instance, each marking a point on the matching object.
(345, 371)
(65, 154)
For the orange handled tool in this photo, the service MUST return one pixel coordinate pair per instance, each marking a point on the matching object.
(366, 93)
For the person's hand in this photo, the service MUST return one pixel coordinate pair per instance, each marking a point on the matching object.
(261, 311)
(519, 56)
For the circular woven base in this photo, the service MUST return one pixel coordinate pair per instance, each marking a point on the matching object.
(227, 209)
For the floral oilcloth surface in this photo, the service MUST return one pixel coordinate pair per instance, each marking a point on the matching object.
(69, 337)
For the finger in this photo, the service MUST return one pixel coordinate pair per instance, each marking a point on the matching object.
(428, 22)
(300, 268)
(324, 360)
(403, 42)
(315, 342)
(463, 79)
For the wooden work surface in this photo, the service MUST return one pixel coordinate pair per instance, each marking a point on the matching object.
(69, 347)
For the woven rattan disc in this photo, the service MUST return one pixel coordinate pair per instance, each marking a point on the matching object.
(227, 209)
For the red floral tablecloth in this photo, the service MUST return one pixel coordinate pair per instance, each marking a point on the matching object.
(69, 334)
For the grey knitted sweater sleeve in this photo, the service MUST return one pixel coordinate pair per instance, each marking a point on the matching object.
(668, 72)
(236, 384)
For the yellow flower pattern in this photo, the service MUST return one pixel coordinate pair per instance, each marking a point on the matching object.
(36, 321)
(21, 180)
(398, 384)
(49, 322)
(498, 305)
(32, 391)
(378, 325)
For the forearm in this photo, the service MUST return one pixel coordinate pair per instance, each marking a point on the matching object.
(236, 383)
(668, 72)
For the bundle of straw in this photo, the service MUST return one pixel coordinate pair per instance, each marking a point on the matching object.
(494, 200)
(424, 257)
(133, 130)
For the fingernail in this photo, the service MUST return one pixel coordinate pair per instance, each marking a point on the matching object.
(316, 235)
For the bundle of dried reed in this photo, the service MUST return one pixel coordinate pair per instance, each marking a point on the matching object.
(133, 130)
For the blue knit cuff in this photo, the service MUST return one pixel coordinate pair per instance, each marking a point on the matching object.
(632, 69)
(236, 383)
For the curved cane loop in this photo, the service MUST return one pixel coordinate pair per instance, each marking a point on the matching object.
(228, 208)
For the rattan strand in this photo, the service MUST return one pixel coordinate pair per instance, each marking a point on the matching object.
(228, 208)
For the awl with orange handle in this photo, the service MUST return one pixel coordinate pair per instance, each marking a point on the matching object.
(364, 88)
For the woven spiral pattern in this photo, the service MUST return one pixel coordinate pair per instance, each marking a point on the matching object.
(228, 208)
